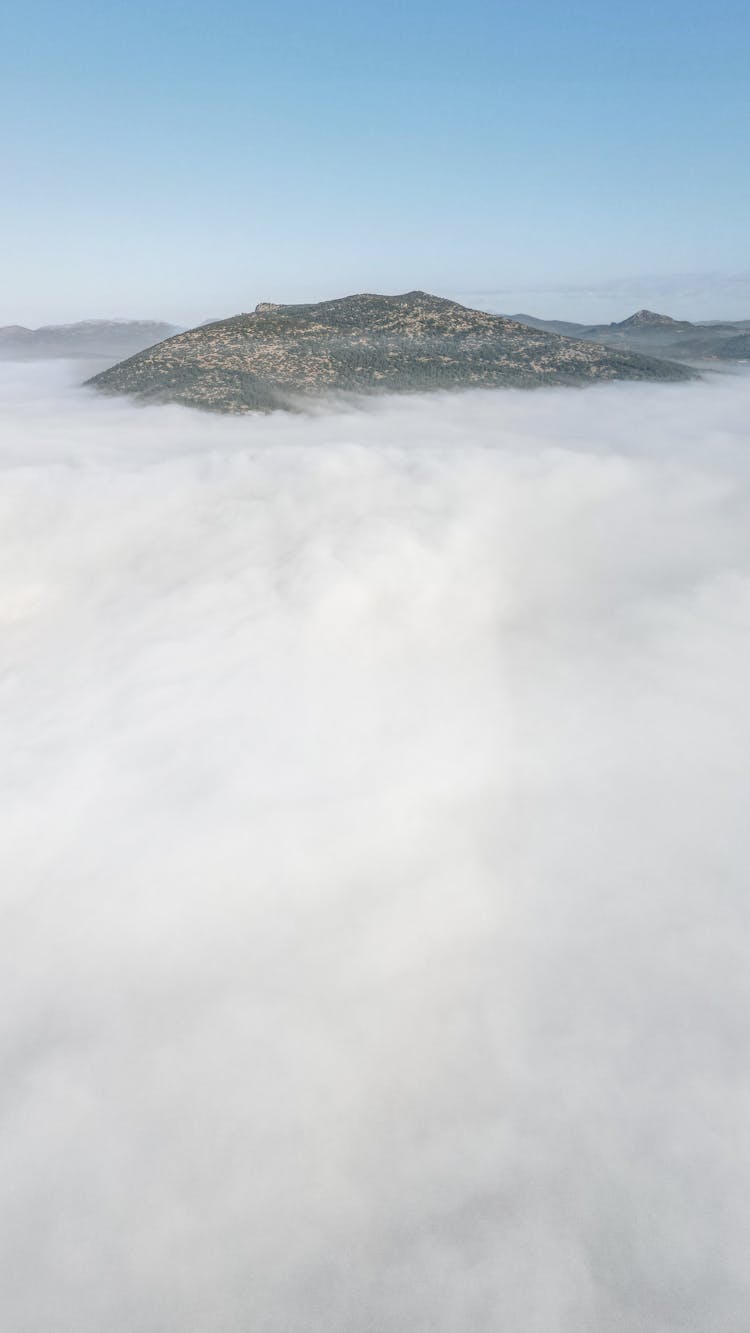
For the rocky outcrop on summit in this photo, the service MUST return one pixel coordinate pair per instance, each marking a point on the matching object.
(282, 356)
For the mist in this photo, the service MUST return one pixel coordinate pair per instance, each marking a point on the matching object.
(374, 948)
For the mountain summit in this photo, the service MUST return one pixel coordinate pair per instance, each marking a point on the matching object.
(648, 319)
(281, 356)
(660, 336)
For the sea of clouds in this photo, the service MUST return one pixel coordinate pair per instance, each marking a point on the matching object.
(374, 863)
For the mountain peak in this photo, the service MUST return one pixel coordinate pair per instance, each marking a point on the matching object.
(649, 319)
(284, 355)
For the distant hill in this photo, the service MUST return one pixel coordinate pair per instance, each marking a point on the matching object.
(738, 347)
(563, 326)
(282, 355)
(648, 319)
(86, 340)
(658, 335)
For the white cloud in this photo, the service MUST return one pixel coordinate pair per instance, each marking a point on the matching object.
(374, 944)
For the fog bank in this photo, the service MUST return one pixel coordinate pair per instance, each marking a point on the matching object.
(374, 944)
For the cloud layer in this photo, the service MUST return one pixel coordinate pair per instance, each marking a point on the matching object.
(374, 944)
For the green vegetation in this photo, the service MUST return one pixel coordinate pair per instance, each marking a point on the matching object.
(280, 356)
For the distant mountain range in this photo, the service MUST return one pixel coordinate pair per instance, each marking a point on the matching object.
(658, 335)
(86, 340)
(283, 355)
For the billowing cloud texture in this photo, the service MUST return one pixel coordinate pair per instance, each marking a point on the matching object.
(375, 846)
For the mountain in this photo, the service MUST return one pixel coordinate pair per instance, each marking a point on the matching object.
(86, 340)
(648, 319)
(564, 326)
(10, 333)
(738, 347)
(281, 356)
(658, 335)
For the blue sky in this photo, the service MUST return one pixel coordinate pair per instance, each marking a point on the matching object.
(184, 161)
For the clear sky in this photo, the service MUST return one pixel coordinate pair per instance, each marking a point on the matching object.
(184, 160)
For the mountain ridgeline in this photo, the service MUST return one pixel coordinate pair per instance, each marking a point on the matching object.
(658, 335)
(282, 356)
(86, 340)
